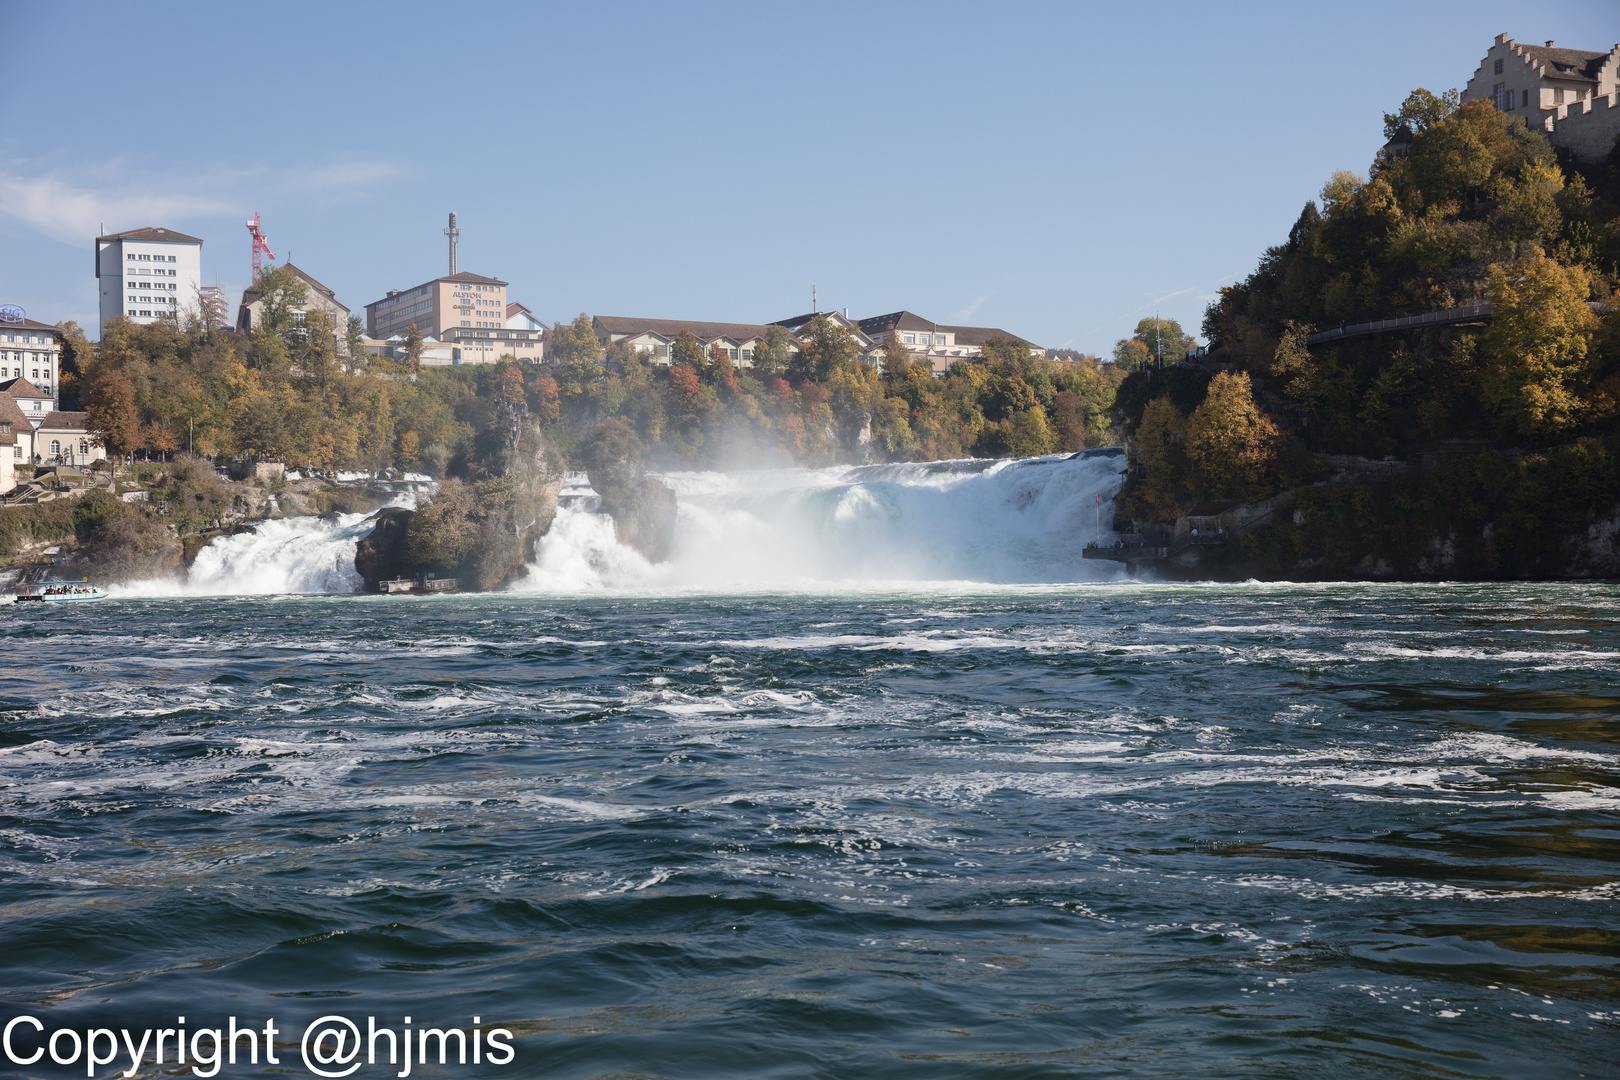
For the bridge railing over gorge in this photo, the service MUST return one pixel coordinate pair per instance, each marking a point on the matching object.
(1469, 313)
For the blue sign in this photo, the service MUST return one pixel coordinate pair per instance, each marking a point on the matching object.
(12, 313)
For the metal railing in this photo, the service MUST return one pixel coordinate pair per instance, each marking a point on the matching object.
(1448, 317)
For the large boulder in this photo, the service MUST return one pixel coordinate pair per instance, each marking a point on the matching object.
(481, 531)
(643, 509)
(381, 556)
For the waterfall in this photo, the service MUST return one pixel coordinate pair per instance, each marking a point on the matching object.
(1002, 521)
(303, 554)
(1008, 521)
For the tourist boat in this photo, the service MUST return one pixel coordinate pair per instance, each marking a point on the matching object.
(60, 592)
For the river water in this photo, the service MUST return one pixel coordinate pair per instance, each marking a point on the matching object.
(861, 828)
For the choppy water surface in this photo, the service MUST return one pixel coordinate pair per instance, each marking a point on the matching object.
(1109, 830)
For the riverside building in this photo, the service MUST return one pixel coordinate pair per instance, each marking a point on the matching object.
(145, 274)
(468, 312)
(250, 315)
(30, 351)
(936, 344)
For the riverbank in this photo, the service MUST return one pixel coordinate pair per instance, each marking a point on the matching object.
(160, 516)
(1457, 513)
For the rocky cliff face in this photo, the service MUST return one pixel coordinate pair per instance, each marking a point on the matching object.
(481, 531)
(643, 509)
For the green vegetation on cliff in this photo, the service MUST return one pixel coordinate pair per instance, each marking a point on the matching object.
(1525, 403)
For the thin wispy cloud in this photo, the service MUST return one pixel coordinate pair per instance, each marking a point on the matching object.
(351, 175)
(1137, 311)
(967, 313)
(72, 212)
(73, 215)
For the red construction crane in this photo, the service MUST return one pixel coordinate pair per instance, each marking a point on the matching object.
(261, 245)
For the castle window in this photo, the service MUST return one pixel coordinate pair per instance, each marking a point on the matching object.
(1499, 67)
(1525, 102)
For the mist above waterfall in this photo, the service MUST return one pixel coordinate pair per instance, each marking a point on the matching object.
(1008, 520)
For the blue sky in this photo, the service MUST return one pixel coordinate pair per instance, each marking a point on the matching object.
(1058, 170)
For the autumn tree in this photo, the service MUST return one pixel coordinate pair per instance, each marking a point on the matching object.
(576, 342)
(1420, 111)
(1131, 355)
(77, 353)
(896, 360)
(1069, 421)
(1163, 338)
(828, 347)
(1537, 346)
(772, 353)
(1230, 442)
(413, 347)
(686, 349)
(112, 416)
(282, 296)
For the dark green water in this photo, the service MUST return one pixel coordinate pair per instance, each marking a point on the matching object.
(1358, 831)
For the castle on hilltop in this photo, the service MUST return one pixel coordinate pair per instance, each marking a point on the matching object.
(1571, 94)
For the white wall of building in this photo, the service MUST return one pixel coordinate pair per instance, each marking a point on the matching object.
(143, 280)
(32, 352)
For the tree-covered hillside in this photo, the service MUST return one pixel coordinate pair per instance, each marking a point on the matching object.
(288, 390)
(1481, 208)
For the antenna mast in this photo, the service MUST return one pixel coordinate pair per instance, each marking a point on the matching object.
(453, 233)
(814, 308)
(261, 246)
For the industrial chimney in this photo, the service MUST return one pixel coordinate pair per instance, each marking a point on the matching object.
(452, 232)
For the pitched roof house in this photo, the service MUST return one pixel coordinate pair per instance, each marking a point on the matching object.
(250, 315)
(655, 336)
(33, 401)
(19, 444)
(940, 344)
(64, 438)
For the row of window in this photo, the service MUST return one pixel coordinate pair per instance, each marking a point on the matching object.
(151, 258)
(144, 313)
(19, 357)
(17, 373)
(153, 273)
(152, 300)
(26, 339)
(924, 339)
(421, 305)
(56, 447)
(400, 299)
(149, 285)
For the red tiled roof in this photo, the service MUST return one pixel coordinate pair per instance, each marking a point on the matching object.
(21, 388)
(703, 331)
(66, 421)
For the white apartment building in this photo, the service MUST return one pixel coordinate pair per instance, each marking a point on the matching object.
(30, 350)
(144, 274)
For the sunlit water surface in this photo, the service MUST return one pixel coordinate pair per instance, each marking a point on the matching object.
(1107, 830)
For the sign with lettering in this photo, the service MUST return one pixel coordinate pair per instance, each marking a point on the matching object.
(11, 313)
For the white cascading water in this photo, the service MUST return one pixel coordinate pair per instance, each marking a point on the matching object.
(1008, 521)
(1005, 521)
(282, 555)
